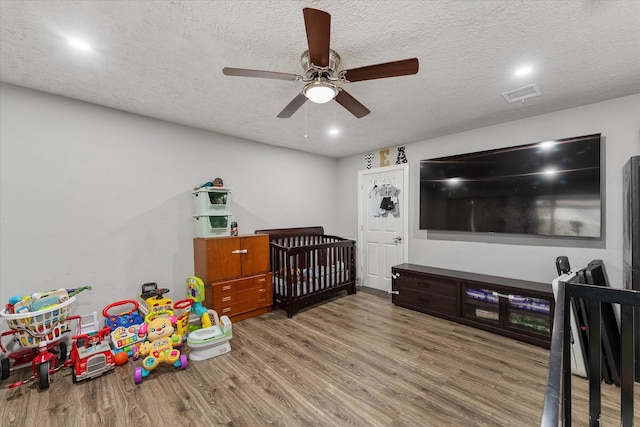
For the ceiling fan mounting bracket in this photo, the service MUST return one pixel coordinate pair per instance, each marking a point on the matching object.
(312, 71)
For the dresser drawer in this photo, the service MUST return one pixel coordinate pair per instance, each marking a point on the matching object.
(426, 301)
(231, 309)
(228, 297)
(234, 291)
(239, 285)
(430, 284)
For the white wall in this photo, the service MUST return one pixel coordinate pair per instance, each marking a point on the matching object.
(512, 256)
(95, 196)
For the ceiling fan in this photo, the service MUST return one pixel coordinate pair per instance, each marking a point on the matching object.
(320, 64)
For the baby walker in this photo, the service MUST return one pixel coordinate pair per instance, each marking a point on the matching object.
(160, 343)
(125, 327)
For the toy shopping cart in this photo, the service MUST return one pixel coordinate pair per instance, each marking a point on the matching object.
(37, 332)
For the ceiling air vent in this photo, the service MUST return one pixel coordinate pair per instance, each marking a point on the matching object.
(522, 93)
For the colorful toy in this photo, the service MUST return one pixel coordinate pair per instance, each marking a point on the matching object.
(161, 340)
(152, 299)
(195, 291)
(125, 318)
(91, 355)
(40, 300)
(182, 311)
(125, 327)
(38, 333)
(211, 341)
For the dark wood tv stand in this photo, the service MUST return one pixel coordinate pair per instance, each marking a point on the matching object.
(519, 309)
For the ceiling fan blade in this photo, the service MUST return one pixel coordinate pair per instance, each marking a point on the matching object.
(380, 71)
(293, 106)
(350, 103)
(318, 24)
(244, 72)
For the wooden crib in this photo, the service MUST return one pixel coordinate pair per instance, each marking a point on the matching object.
(308, 265)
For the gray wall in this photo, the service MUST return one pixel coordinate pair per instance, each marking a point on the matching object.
(95, 196)
(511, 256)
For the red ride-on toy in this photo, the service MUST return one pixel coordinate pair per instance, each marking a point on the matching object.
(43, 361)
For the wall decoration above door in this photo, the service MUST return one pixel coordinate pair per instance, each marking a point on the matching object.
(402, 158)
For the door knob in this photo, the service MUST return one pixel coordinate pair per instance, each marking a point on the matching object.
(397, 239)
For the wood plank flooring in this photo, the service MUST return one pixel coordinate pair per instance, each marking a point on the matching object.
(354, 360)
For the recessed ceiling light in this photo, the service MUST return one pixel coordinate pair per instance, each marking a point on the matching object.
(523, 71)
(333, 131)
(79, 44)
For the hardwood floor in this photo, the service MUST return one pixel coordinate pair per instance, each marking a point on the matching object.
(354, 360)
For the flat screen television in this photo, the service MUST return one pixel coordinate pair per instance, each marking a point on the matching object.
(550, 188)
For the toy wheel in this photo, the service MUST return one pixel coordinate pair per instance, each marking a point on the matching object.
(137, 375)
(5, 368)
(183, 361)
(43, 376)
(74, 379)
(62, 351)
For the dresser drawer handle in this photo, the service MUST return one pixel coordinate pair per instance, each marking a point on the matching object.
(425, 284)
(240, 251)
(262, 290)
(262, 280)
(225, 299)
(226, 310)
(226, 288)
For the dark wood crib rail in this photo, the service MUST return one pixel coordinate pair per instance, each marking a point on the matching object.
(278, 233)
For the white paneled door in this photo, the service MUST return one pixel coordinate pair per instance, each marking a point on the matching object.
(383, 223)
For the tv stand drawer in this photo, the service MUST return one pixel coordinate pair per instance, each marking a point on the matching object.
(423, 301)
(429, 284)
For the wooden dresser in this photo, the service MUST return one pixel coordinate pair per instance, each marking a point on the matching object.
(236, 274)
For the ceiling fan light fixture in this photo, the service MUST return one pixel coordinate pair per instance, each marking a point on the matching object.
(320, 91)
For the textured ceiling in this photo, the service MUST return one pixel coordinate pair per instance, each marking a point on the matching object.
(164, 59)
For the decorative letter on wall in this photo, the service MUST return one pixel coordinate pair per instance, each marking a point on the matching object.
(402, 158)
(384, 161)
(368, 157)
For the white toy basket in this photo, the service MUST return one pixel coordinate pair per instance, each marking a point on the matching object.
(43, 325)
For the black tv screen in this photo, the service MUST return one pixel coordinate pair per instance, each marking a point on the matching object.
(549, 188)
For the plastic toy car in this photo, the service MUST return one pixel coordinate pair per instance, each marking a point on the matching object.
(91, 355)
